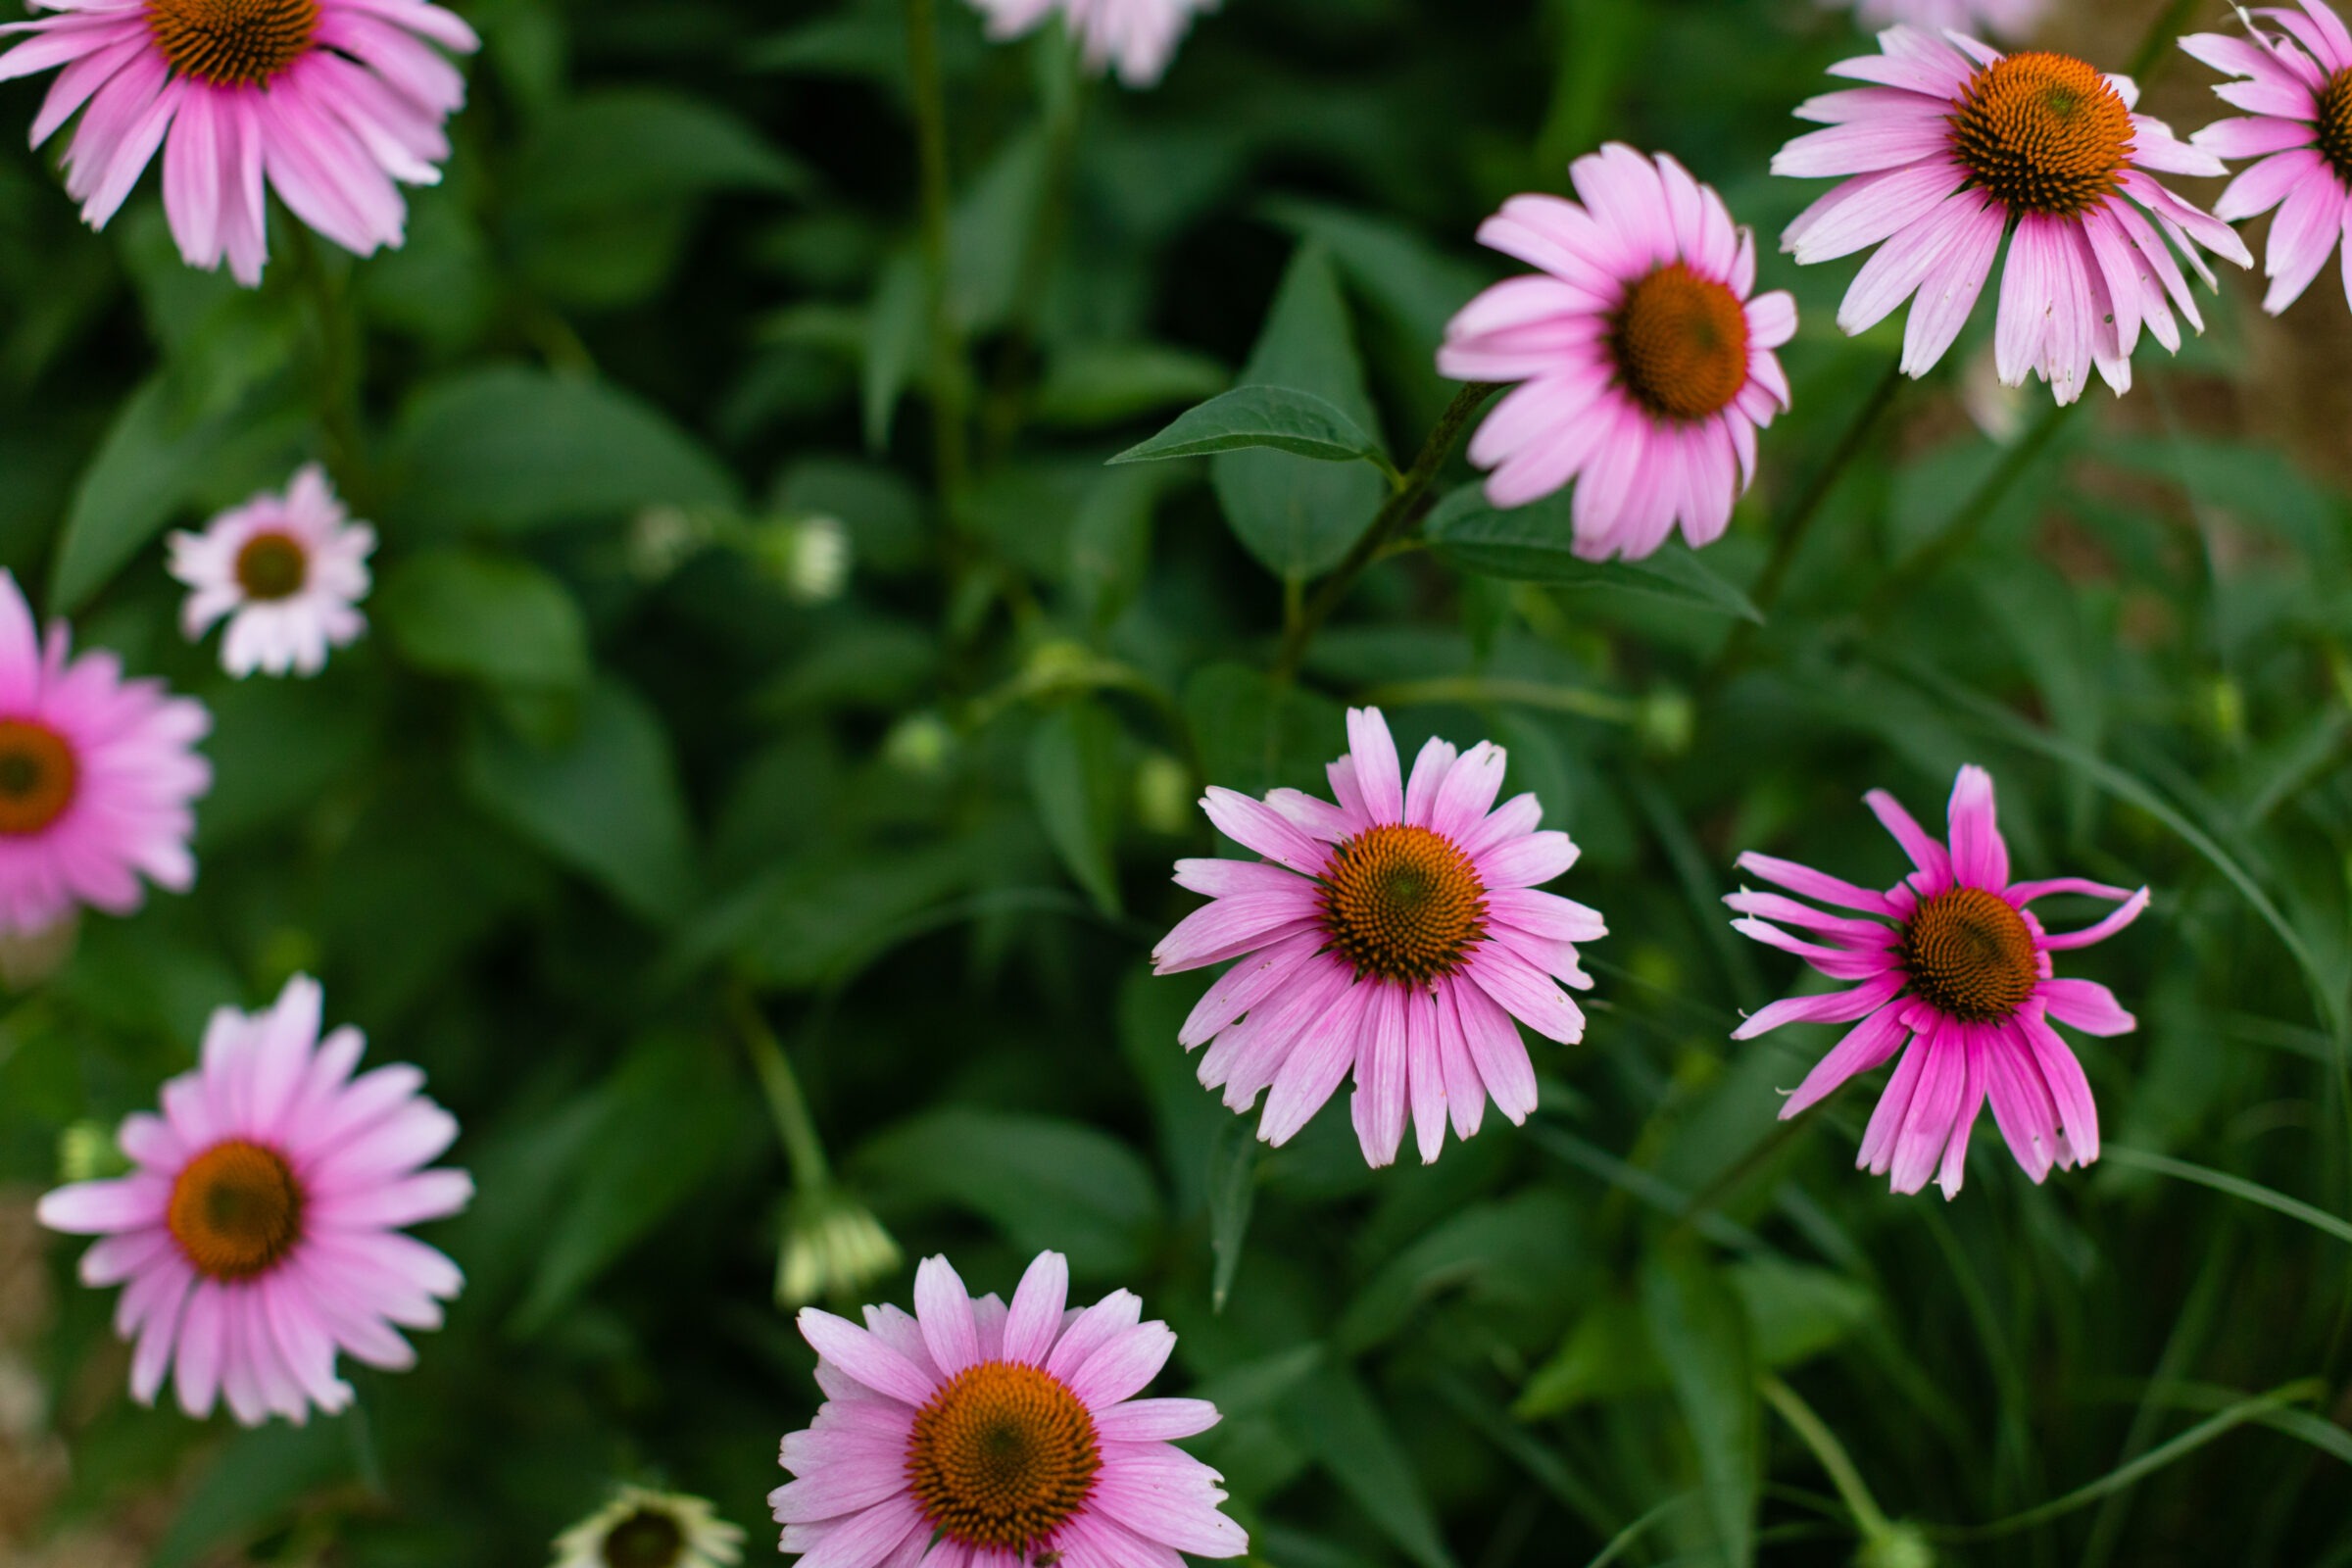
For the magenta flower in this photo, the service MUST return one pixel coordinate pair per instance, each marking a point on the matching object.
(286, 570)
(1137, 38)
(1952, 960)
(1954, 146)
(98, 777)
(2298, 94)
(327, 102)
(1645, 368)
(260, 1233)
(973, 1435)
(1397, 933)
(2007, 19)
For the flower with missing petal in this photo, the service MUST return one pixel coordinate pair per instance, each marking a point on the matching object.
(1952, 147)
(325, 102)
(288, 571)
(1953, 969)
(643, 1528)
(2296, 88)
(260, 1233)
(976, 1434)
(1644, 355)
(98, 778)
(1396, 935)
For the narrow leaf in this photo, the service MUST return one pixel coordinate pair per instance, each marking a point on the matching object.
(1282, 418)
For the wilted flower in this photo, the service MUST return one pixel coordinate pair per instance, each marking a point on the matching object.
(1138, 38)
(2297, 93)
(288, 573)
(1395, 934)
(1645, 368)
(1952, 147)
(260, 1234)
(1011, 1436)
(1952, 961)
(643, 1529)
(833, 1246)
(325, 102)
(97, 777)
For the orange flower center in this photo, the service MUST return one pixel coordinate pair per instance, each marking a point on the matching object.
(37, 775)
(271, 566)
(646, 1538)
(1402, 903)
(232, 43)
(2335, 123)
(1681, 344)
(235, 1210)
(1001, 1457)
(2043, 133)
(1968, 955)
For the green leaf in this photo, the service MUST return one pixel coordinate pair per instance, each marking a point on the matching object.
(1087, 385)
(636, 144)
(1111, 540)
(1255, 734)
(514, 449)
(485, 616)
(1535, 543)
(155, 461)
(259, 1478)
(1282, 418)
(1232, 1194)
(661, 1120)
(605, 801)
(1077, 785)
(1333, 1417)
(1517, 1247)
(893, 343)
(1699, 1332)
(1300, 520)
(1045, 1183)
(2235, 1186)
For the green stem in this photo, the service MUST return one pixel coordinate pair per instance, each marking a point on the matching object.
(1400, 511)
(1065, 112)
(946, 348)
(1969, 519)
(1789, 537)
(796, 1129)
(1479, 690)
(338, 373)
(2152, 55)
(1835, 1461)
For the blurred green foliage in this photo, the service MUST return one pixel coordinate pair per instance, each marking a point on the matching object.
(600, 769)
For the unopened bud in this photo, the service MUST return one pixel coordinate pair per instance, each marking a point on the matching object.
(1164, 795)
(833, 1246)
(86, 1151)
(920, 744)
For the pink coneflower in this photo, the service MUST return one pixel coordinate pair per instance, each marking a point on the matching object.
(1645, 368)
(1398, 933)
(1954, 146)
(97, 777)
(328, 101)
(973, 1435)
(260, 1233)
(1952, 960)
(2297, 93)
(288, 571)
(2007, 19)
(1136, 37)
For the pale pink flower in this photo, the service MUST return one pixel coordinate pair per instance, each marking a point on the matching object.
(288, 571)
(2006, 19)
(259, 1235)
(98, 777)
(1136, 37)
(1953, 146)
(325, 102)
(974, 1435)
(1645, 367)
(1952, 961)
(2298, 94)
(1396, 934)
